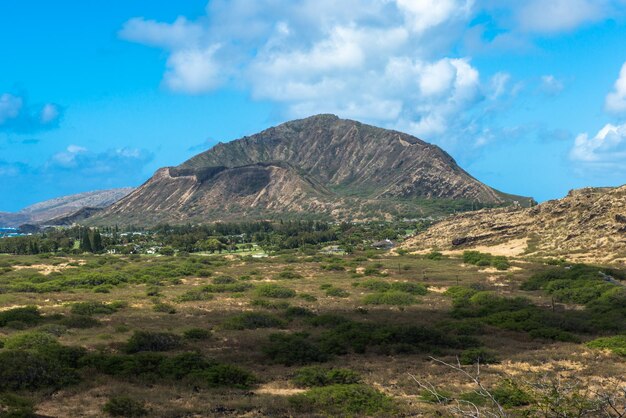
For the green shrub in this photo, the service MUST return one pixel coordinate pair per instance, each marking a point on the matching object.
(103, 288)
(318, 376)
(410, 287)
(92, 308)
(375, 285)
(500, 263)
(124, 406)
(28, 370)
(197, 334)
(194, 296)
(483, 260)
(13, 406)
(298, 312)
(28, 315)
(253, 320)
(53, 329)
(153, 291)
(271, 290)
(224, 280)
(477, 355)
(554, 334)
(349, 336)
(289, 275)
(337, 292)
(474, 397)
(191, 367)
(33, 340)
(391, 297)
(227, 288)
(164, 308)
(434, 255)
(440, 397)
(344, 400)
(509, 395)
(152, 341)
(80, 321)
(616, 344)
(327, 320)
(460, 293)
(270, 304)
(293, 349)
(223, 375)
(333, 267)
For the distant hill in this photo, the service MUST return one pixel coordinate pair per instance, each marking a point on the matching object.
(43, 212)
(587, 225)
(319, 166)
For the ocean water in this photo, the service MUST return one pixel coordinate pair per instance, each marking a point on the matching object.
(9, 232)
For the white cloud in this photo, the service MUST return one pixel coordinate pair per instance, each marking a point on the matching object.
(551, 85)
(616, 100)
(363, 59)
(17, 116)
(606, 147)
(550, 16)
(49, 113)
(85, 163)
(194, 71)
(423, 15)
(10, 107)
(180, 34)
(499, 83)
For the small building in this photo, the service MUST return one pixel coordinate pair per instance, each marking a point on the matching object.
(385, 244)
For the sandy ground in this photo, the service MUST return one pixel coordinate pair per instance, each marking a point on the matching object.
(278, 388)
(513, 248)
(46, 269)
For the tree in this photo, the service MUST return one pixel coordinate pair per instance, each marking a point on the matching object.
(85, 242)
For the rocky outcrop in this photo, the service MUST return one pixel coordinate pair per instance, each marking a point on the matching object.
(586, 224)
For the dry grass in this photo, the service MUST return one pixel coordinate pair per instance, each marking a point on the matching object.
(520, 355)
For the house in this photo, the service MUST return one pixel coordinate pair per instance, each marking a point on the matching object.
(385, 244)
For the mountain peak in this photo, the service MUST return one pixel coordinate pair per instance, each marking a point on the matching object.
(320, 165)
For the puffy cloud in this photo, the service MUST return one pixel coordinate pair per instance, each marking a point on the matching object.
(560, 15)
(17, 116)
(193, 71)
(74, 170)
(551, 85)
(10, 107)
(606, 147)
(361, 59)
(115, 163)
(426, 14)
(12, 169)
(179, 34)
(616, 100)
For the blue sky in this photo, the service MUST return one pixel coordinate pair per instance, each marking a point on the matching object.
(529, 97)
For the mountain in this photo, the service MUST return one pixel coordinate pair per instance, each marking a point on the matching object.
(586, 225)
(321, 165)
(44, 212)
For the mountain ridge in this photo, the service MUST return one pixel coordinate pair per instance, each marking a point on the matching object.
(319, 166)
(63, 206)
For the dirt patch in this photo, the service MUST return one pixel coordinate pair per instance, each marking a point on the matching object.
(278, 389)
(517, 368)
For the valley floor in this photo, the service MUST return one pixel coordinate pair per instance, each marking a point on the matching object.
(197, 336)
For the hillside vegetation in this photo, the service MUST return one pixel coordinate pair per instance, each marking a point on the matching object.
(302, 333)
